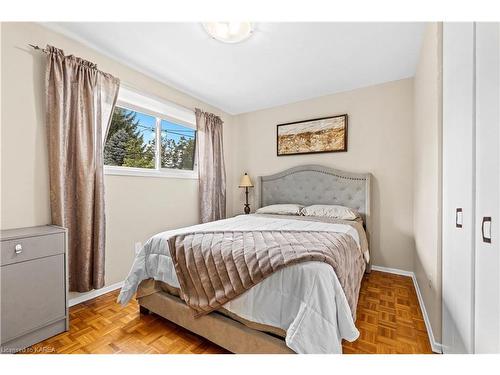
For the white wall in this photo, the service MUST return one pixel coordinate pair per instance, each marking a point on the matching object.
(427, 135)
(380, 141)
(136, 207)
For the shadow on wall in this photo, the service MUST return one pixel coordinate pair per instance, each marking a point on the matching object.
(393, 232)
(375, 220)
(431, 293)
(41, 175)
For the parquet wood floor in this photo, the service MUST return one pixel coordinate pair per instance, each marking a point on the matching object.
(388, 318)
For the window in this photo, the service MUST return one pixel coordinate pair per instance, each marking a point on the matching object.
(131, 140)
(177, 146)
(147, 137)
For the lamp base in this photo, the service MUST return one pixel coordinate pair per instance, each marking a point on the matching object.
(247, 209)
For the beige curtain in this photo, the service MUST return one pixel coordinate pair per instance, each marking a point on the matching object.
(211, 169)
(79, 103)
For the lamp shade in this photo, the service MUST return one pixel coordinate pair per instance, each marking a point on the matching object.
(245, 181)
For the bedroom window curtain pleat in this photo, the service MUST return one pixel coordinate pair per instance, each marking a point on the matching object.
(79, 104)
(211, 168)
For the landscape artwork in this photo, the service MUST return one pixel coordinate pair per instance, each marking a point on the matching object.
(327, 134)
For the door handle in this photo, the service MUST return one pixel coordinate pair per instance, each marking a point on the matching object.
(486, 229)
(459, 218)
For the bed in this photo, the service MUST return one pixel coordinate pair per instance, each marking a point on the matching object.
(300, 307)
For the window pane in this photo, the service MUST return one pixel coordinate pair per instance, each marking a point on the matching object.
(177, 146)
(131, 140)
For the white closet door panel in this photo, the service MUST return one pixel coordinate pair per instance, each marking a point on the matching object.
(487, 274)
(458, 187)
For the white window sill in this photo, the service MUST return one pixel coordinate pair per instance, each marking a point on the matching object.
(143, 172)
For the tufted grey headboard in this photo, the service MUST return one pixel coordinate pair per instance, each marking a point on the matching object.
(315, 184)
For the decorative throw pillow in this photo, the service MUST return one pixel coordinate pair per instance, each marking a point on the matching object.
(332, 211)
(281, 209)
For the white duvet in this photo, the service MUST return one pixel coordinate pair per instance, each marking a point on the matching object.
(305, 300)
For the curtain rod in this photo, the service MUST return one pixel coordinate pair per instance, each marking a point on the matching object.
(130, 87)
(34, 46)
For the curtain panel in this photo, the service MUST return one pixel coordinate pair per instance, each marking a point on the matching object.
(211, 168)
(79, 104)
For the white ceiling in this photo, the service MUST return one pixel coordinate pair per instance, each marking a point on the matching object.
(279, 64)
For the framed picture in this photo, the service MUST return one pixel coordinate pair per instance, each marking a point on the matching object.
(327, 134)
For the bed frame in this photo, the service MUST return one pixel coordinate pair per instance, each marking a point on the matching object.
(308, 184)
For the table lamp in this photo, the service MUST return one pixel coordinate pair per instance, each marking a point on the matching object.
(246, 183)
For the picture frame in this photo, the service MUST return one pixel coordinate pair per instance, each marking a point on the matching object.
(319, 135)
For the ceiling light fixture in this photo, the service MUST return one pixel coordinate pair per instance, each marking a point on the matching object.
(229, 32)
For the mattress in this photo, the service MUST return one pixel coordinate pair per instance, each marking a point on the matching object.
(304, 300)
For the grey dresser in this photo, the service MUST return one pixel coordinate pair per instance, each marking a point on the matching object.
(33, 286)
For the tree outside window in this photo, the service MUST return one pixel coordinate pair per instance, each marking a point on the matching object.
(131, 142)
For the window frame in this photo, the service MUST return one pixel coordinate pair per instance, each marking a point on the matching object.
(158, 171)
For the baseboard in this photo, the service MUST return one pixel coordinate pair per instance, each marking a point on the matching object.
(94, 293)
(393, 270)
(436, 346)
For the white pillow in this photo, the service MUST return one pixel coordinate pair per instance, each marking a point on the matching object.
(281, 209)
(332, 211)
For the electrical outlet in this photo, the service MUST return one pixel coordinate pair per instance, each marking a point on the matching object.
(137, 248)
(430, 284)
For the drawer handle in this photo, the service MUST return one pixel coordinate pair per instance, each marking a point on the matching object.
(18, 249)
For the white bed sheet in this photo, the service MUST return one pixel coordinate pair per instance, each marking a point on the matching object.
(306, 300)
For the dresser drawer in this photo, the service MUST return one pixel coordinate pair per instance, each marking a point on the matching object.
(33, 295)
(29, 248)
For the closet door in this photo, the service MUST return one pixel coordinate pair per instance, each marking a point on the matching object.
(487, 267)
(458, 187)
